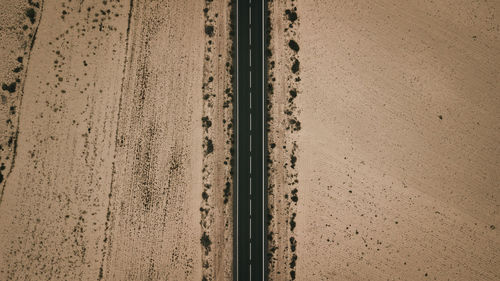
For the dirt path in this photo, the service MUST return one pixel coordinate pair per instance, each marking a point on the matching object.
(393, 174)
(116, 156)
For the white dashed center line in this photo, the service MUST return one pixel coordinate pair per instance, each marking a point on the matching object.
(250, 129)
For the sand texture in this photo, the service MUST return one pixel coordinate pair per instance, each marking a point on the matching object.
(115, 140)
(384, 140)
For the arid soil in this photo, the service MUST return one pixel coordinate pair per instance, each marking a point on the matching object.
(384, 140)
(115, 140)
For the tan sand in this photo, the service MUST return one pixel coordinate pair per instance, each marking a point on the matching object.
(111, 160)
(397, 156)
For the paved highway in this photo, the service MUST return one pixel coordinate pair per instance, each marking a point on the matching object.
(250, 139)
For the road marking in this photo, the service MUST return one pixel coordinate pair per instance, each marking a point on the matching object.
(263, 144)
(250, 129)
(259, 189)
(237, 145)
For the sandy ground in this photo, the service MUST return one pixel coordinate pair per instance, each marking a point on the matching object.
(116, 128)
(394, 173)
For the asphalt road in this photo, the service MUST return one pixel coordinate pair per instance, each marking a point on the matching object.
(250, 232)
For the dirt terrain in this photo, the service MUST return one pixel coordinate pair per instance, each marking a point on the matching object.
(115, 143)
(384, 140)
(116, 138)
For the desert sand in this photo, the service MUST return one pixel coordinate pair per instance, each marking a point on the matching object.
(116, 136)
(384, 140)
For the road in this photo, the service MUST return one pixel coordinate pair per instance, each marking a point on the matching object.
(250, 232)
